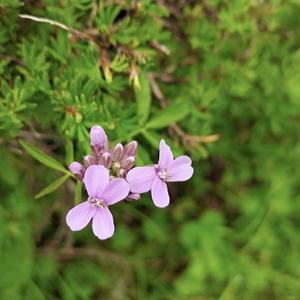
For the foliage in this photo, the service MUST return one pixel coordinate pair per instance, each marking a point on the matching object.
(218, 80)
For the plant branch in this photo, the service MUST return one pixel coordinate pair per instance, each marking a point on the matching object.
(70, 29)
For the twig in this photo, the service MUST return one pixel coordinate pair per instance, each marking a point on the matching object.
(191, 139)
(93, 14)
(159, 47)
(70, 29)
(11, 58)
(157, 91)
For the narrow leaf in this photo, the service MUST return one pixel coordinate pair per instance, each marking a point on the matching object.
(43, 158)
(142, 157)
(143, 99)
(173, 113)
(53, 186)
(152, 137)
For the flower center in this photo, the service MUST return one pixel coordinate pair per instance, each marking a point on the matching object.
(96, 202)
(163, 174)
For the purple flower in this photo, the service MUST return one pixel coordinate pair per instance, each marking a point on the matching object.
(154, 178)
(102, 193)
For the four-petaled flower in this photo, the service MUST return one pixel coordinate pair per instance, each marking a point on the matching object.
(103, 173)
(154, 178)
(102, 193)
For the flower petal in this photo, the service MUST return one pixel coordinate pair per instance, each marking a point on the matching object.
(115, 191)
(103, 223)
(180, 172)
(180, 160)
(96, 178)
(140, 179)
(80, 215)
(165, 155)
(159, 193)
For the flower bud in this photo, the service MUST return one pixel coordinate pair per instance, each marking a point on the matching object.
(89, 160)
(133, 197)
(105, 159)
(117, 152)
(130, 148)
(128, 162)
(77, 169)
(98, 137)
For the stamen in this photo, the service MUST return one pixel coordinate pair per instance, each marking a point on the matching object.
(163, 174)
(96, 202)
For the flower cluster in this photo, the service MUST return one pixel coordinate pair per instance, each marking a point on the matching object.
(109, 177)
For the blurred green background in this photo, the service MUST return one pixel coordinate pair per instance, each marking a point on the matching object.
(219, 80)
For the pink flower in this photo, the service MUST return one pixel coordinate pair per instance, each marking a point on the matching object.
(102, 193)
(154, 178)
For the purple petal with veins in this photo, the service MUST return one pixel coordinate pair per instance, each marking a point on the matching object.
(165, 155)
(80, 215)
(140, 179)
(103, 224)
(102, 193)
(95, 179)
(159, 193)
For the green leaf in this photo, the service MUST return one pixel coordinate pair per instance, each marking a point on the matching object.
(142, 157)
(143, 99)
(43, 158)
(53, 186)
(152, 137)
(173, 113)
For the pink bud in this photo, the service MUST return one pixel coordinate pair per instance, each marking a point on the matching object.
(128, 162)
(117, 152)
(130, 148)
(77, 169)
(89, 160)
(133, 197)
(105, 159)
(98, 136)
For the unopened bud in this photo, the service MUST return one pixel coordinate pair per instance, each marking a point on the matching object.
(89, 160)
(98, 137)
(105, 159)
(117, 152)
(130, 148)
(77, 169)
(128, 162)
(133, 197)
